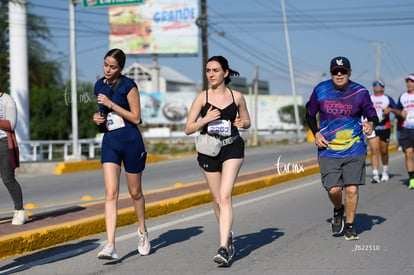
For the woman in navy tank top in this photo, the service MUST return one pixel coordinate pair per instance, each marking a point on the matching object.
(119, 108)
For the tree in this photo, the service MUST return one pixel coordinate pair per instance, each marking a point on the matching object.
(287, 114)
(49, 115)
(49, 102)
(87, 105)
(4, 44)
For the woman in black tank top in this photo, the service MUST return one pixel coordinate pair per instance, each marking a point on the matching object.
(222, 112)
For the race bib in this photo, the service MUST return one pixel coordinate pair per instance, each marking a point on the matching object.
(380, 114)
(219, 127)
(410, 117)
(114, 121)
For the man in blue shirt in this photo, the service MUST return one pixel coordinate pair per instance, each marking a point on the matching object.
(341, 103)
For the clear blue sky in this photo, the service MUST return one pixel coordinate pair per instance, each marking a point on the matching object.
(253, 34)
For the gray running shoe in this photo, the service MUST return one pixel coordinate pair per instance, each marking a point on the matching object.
(222, 256)
(337, 223)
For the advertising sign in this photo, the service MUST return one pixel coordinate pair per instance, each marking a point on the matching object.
(155, 27)
(166, 108)
(105, 3)
(268, 115)
(172, 108)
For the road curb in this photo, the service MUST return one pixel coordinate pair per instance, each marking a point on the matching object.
(87, 165)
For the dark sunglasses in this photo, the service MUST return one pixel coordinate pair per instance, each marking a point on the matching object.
(337, 71)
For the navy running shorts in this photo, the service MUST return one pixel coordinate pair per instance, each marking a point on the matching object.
(407, 138)
(124, 145)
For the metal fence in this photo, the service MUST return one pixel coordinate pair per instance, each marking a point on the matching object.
(48, 150)
(62, 150)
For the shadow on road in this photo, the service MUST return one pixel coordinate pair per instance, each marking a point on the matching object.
(164, 240)
(49, 256)
(246, 244)
(175, 236)
(363, 222)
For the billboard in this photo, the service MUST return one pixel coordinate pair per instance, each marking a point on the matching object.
(172, 108)
(268, 115)
(166, 108)
(155, 27)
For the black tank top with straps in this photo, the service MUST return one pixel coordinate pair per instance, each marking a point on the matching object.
(227, 113)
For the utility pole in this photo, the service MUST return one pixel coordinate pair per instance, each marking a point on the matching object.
(255, 139)
(19, 68)
(204, 42)
(74, 89)
(378, 58)
(292, 78)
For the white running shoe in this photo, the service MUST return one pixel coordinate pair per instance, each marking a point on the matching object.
(144, 245)
(19, 217)
(385, 176)
(375, 179)
(108, 253)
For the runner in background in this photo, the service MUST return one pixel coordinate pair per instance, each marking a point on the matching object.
(378, 145)
(406, 111)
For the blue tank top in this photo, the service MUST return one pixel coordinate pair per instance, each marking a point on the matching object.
(119, 96)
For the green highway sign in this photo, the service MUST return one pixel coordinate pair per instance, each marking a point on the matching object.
(106, 3)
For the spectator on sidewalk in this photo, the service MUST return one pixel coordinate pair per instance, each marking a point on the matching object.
(9, 156)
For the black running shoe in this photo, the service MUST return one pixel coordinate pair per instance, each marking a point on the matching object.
(337, 223)
(222, 256)
(350, 234)
(231, 246)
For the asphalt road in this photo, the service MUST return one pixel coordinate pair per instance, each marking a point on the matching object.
(48, 192)
(280, 230)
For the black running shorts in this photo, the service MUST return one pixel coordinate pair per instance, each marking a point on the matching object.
(231, 151)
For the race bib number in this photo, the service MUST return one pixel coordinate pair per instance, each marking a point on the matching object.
(219, 127)
(114, 121)
(380, 114)
(410, 117)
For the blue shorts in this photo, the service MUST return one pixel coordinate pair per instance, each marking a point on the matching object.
(124, 145)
